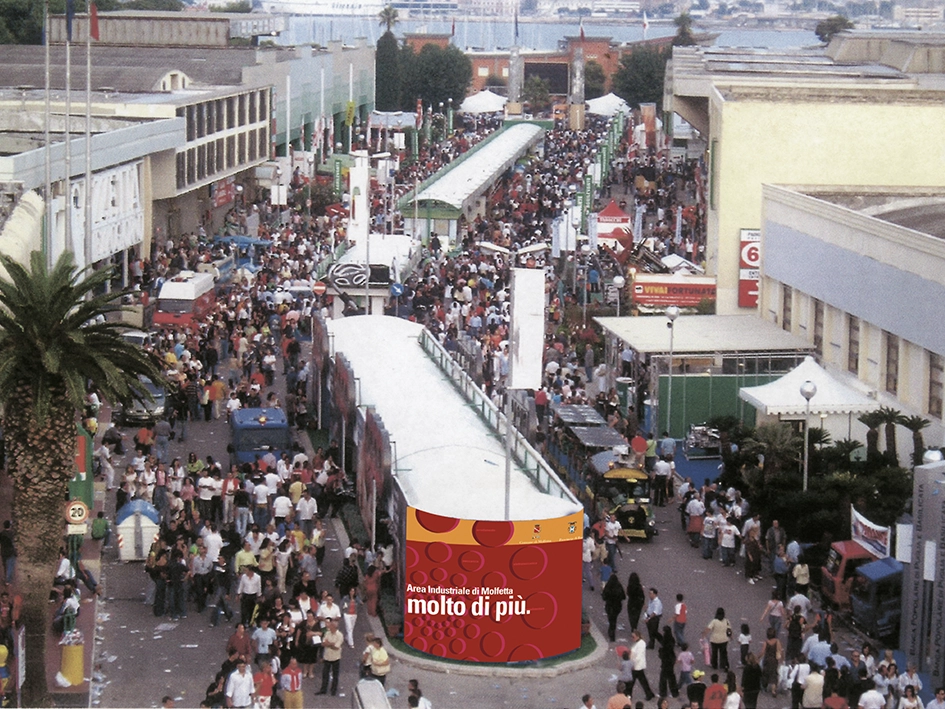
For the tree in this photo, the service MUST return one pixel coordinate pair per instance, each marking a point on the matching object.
(916, 424)
(891, 418)
(234, 6)
(535, 93)
(594, 80)
(388, 17)
(684, 36)
(640, 77)
(435, 75)
(872, 420)
(53, 340)
(826, 29)
(387, 84)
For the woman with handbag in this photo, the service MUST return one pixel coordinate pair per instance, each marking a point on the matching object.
(718, 632)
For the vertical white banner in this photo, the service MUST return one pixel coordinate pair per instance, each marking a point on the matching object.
(527, 335)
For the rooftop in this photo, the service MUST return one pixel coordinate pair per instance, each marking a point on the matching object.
(703, 334)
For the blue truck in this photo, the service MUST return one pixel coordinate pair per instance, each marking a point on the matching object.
(258, 433)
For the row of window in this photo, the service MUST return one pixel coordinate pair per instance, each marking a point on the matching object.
(222, 114)
(223, 154)
(891, 349)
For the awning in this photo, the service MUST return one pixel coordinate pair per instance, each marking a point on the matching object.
(783, 396)
(579, 414)
(598, 437)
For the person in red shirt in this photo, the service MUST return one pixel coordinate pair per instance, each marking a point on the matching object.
(291, 680)
(264, 681)
(715, 694)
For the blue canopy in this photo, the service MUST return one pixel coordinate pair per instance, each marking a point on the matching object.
(142, 506)
(880, 569)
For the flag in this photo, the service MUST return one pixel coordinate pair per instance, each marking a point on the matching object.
(70, 14)
(93, 21)
(646, 24)
(582, 29)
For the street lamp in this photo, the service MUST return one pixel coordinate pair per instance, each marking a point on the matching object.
(672, 312)
(808, 390)
(619, 283)
(585, 251)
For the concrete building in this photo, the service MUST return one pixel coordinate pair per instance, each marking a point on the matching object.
(178, 133)
(851, 114)
(859, 273)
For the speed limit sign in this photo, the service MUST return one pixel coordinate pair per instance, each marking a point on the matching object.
(76, 512)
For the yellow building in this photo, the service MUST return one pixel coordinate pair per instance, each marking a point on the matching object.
(868, 111)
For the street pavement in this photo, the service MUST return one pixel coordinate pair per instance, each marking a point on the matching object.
(142, 658)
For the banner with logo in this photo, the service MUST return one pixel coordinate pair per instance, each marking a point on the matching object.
(492, 590)
(749, 268)
(872, 537)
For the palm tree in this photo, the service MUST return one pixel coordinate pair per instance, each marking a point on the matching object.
(916, 424)
(388, 17)
(891, 418)
(872, 420)
(53, 340)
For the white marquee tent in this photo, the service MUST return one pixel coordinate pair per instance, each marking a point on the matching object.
(608, 105)
(782, 397)
(483, 102)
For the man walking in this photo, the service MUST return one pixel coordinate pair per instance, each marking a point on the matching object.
(653, 615)
(638, 665)
(332, 642)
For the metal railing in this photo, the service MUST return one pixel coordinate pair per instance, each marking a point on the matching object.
(530, 460)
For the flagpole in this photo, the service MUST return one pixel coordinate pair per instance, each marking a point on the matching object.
(88, 143)
(68, 136)
(47, 194)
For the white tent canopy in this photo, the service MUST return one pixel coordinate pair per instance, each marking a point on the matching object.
(608, 105)
(783, 396)
(483, 102)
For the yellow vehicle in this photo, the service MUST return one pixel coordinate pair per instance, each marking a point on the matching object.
(623, 490)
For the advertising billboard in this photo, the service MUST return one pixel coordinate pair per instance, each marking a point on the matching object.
(749, 268)
(492, 590)
(659, 289)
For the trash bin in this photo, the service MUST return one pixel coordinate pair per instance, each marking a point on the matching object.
(73, 664)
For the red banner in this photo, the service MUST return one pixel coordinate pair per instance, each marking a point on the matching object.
(749, 268)
(224, 191)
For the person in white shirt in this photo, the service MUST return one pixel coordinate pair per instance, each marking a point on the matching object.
(939, 701)
(306, 509)
(638, 662)
(871, 699)
(240, 690)
(587, 702)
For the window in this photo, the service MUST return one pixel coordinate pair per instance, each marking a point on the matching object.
(201, 161)
(892, 363)
(231, 151)
(221, 154)
(241, 114)
(853, 344)
(241, 150)
(191, 166)
(483, 71)
(181, 171)
(252, 108)
(936, 380)
(211, 157)
(786, 295)
(201, 120)
(263, 148)
(191, 123)
(819, 327)
(231, 112)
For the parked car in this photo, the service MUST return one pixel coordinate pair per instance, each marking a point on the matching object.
(140, 410)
